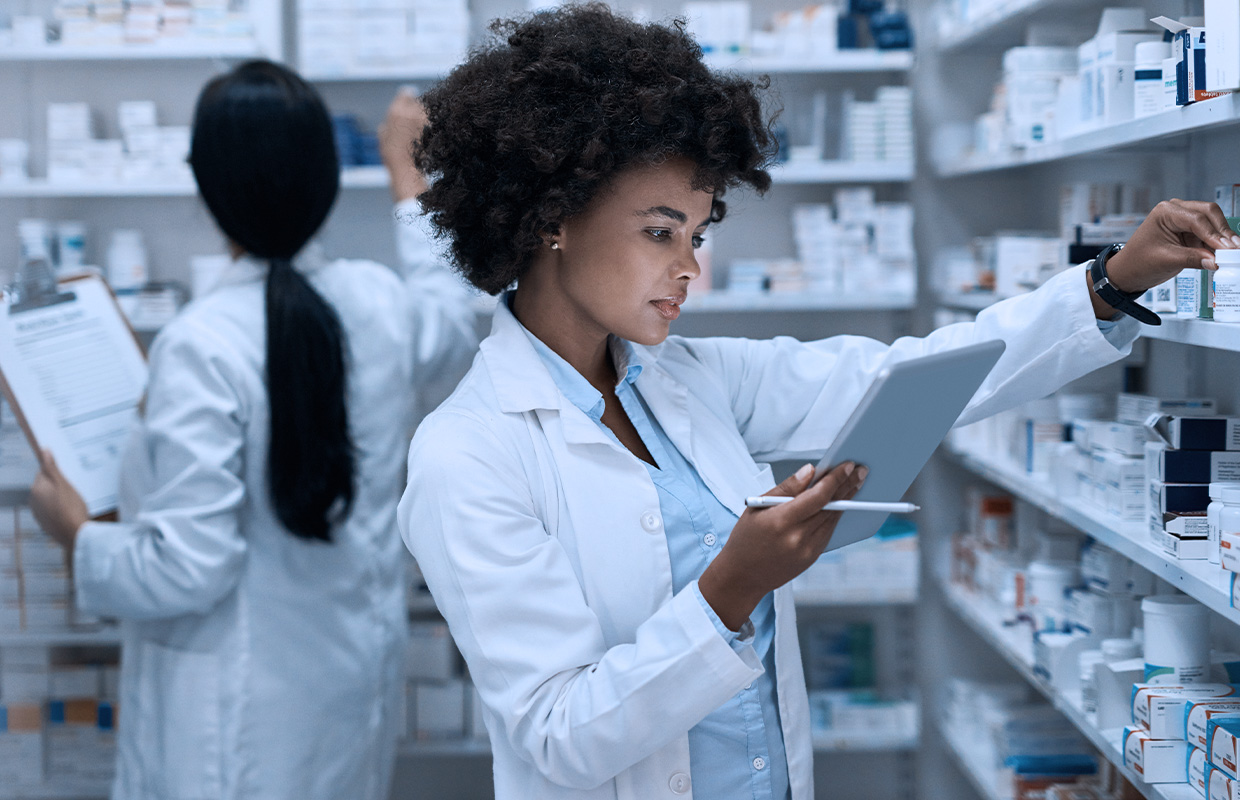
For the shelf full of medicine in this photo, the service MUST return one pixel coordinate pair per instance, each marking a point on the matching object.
(1017, 650)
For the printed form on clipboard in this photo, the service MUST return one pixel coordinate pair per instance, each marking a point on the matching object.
(75, 375)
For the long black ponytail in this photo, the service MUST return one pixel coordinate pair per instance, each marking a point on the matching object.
(263, 155)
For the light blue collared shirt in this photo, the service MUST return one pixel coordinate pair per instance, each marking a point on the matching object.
(737, 752)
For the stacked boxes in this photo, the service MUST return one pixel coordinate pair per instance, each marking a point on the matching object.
(57, 720)
(343, 37)
(881, 130)
(440, 702)
(36, 592)
(146, 151)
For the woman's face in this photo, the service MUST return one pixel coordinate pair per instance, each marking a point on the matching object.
(624, 264)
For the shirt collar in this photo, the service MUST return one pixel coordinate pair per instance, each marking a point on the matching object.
(573, 384)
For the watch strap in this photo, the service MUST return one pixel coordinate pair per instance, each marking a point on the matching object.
(1121, 301)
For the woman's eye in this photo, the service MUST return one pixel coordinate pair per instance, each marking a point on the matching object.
(698, 241)
(660, 234)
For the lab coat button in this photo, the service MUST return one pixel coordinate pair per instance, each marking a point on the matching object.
(709, 539)
(651, 521)
(679, 783)
(759, 762)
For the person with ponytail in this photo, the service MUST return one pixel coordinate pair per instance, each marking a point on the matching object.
(256, 567)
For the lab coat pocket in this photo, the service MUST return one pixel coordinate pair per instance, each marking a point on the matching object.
(178, 729)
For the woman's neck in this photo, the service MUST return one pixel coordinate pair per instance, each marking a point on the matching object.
(557, 324)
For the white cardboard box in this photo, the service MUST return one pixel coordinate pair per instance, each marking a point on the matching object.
(1155, 760)
(1160, 709)
(1223, 55)
(1197, 716)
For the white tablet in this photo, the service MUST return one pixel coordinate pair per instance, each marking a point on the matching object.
(902, 418)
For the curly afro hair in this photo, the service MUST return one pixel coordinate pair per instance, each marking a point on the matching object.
(523, 135)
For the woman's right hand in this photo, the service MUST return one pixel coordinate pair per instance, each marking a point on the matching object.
(406, 117)
(771, 546)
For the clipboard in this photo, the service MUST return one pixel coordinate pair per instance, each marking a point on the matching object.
(75, 374)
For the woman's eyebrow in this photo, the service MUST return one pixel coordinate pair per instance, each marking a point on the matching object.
(664, 211)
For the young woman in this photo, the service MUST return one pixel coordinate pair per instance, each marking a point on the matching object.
(256, 566)
(577, 505)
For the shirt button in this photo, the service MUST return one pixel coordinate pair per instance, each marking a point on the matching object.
(759, 762)
(679, 783)
(709, 539)
(651, 521)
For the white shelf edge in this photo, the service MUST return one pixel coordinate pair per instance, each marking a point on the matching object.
(958, 751)
(1017, 650)
(969, 32)
(824, 743)
(725, 301)
(1196, 332)
(107, 637)
(863, 60)
(413, 748)
(1208, 584)
(968, 301)
(185, 50)
(409, 72)
(1173, 122)
(812, 598)
(802, 172)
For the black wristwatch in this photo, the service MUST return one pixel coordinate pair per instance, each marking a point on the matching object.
(1122, 302)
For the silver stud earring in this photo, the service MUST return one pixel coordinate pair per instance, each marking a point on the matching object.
(555, 245)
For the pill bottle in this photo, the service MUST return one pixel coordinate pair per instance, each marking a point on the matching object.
(1227, 286)
(1187, 293)
(1219, 493)
(70, 245)
(1089, 687)
(1177, 640)
(1147, 77)
(126, 260)
(1049, 582)
(1229, 510)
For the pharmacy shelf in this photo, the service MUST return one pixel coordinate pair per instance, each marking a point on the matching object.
(879, 743)
(1209, 584)
(961, 752)
(724, 301)
(438, 748)
(41, 187)
(14, 496)
(1176, 122)
(1005, 22)
(1202, 333)
(967, 301)
(409, 72)
(835, 61)
(103, 637)
(375, 177)
(854, 596)
(799, 172)
(1015, 644)
(180, 50)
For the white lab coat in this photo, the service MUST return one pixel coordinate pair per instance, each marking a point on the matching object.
(542, 540)
(256, 664)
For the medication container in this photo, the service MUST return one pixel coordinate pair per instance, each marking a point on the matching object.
(1060, 621)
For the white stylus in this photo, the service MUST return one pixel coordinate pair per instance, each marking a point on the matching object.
(836, 505)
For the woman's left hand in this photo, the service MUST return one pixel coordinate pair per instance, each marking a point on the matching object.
(1177, 235)
(57, 506)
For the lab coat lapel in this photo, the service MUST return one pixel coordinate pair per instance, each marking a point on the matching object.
(718, 454)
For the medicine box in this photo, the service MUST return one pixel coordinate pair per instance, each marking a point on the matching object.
(1197, 716)
(1190, 466)
(1197, 433)
(1160, 709)
(1178, 498)
(1155, 760)
(1117, 437)
(1137, 408)
(1198, 766)
(1229, 551)
(1181, 548)
(1221, 733)
(1223, 57)
(1218, 785)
